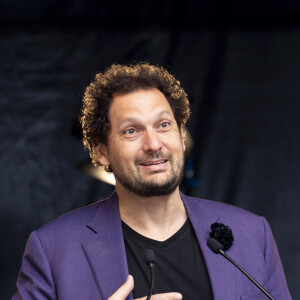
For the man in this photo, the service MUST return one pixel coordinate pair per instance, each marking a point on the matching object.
(133, 119)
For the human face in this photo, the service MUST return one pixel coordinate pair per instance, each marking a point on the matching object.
(145, 147)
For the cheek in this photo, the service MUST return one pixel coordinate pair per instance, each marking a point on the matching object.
(128, 151)
(178, 145)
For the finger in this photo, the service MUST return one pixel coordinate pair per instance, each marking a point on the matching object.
(167, 296)
(164, 296)
(124, 290)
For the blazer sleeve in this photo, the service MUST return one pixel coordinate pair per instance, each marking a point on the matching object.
(35, 281)
(277, 285)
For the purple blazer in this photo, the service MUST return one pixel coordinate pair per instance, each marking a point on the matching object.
(81, 255)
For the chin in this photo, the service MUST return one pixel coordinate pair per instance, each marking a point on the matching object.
(153, 189)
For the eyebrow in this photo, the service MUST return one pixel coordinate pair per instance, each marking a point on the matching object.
(133, 119)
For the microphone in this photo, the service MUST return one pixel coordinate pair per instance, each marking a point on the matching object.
(150, 261)
(216, 247)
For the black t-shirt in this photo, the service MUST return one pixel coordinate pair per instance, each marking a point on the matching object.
(179, 267)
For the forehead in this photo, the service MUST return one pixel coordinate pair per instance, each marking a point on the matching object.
(141, 104)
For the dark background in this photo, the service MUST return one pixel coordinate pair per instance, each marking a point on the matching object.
(239, 62)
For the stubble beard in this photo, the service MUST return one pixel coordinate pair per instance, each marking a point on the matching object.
(138, 185)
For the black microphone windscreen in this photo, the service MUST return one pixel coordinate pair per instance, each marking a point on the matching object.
(149, 256)
(223, 234)
(214, 245)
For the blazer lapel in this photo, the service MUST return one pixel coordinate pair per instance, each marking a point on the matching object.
(106, 252)
(107, 257)
(201, 217)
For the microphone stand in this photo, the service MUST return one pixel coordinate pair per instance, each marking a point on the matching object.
(246, 274)
(150, 261)
(151, 266)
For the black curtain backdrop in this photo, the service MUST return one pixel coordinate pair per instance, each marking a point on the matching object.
(238, 61)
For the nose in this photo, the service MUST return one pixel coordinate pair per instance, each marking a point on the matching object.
(151, 142)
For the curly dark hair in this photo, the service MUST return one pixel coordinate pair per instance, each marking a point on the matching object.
(124, 79)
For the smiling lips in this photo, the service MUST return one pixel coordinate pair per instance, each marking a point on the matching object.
(155, 162)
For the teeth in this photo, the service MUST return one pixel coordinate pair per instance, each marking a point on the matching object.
(153, 163)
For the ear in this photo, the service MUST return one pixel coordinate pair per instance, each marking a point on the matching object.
(101, 153)
(183, 136)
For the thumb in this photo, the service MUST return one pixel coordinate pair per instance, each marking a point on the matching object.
(124, 290)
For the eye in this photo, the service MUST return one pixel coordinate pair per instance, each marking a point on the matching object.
(164, 125)
(129, 131)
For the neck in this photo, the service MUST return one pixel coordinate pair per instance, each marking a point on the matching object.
(157, 218)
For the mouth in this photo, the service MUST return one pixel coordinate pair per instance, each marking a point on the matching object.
(153, 162)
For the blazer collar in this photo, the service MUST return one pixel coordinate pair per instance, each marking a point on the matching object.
(106, 252)
(202, 216)
(107, 257)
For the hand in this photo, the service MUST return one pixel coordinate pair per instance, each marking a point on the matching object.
(127, 287)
